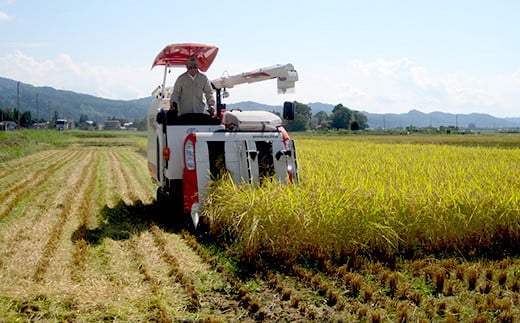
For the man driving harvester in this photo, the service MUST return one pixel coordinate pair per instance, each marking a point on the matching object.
(192, 91)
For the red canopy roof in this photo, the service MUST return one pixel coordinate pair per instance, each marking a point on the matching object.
(177, 54)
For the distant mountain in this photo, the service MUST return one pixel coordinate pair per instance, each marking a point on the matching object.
(250, 105)
(43, 101)
(436, 119)
(317, 107)
(513, 120)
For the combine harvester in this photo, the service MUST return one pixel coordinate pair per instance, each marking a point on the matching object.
(187, 152)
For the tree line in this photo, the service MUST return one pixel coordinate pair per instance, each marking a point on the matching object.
(27, 120)
(24, 119)
(341, 117)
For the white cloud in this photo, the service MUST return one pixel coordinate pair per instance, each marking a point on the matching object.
(4, 16)
(62, 72)
(400, 85)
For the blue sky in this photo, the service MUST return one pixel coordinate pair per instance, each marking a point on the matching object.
(375, 56)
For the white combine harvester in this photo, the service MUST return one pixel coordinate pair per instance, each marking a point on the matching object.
(186, 153)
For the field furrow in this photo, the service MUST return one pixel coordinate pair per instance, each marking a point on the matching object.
(31, 166)
(86, 209)
(111, 286)
(28, 162)
(23, 182)
(128, 164)
(106, 185)
(210, 293)
(125, 189)
(136, 165)
(175, 267)
(22, 237)
(165, 291)
(73, 195)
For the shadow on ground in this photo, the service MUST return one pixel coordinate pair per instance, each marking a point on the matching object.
(124, 220)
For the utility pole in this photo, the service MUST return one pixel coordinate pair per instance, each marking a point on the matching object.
(37, 107)
(18, 102)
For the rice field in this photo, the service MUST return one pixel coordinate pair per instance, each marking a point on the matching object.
(379, 229)
(380, 201)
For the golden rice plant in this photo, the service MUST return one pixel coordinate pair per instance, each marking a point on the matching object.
(377, 200)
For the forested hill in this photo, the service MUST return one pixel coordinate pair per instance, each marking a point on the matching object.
(42, 102)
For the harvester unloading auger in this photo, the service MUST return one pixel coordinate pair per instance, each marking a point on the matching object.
(186, 152)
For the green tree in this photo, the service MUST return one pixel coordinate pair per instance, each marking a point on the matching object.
(83, 118)
(320, 120)
(54, 119)
(7, 115)
(25, 119)
(359, 121)
(341, 117)
(303, 110)
(302, 117)
(140, 124)
(300, 123)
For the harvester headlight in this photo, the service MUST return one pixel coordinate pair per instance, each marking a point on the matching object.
(189, 155)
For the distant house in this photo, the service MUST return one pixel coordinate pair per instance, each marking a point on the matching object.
(90, 124)
(128, 126)
(40, 125)
(87, 125)
(112, 125)
(63, 124)
(8, 126)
